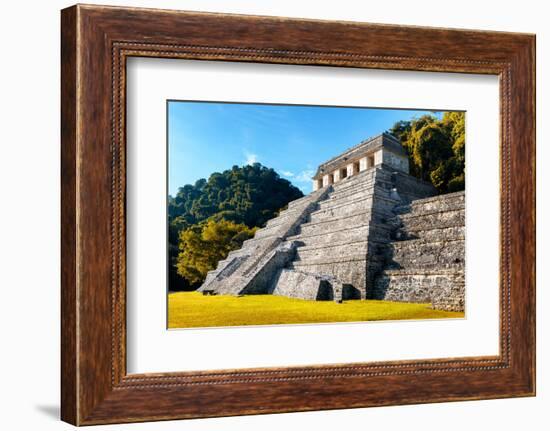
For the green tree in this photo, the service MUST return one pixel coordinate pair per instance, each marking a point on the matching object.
(202, 245)
(429, 148)
(400, 130)
(436, 149)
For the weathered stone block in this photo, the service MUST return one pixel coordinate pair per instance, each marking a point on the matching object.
(303, 285)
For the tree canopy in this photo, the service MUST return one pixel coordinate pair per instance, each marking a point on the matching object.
(436, 149)
(247, 196)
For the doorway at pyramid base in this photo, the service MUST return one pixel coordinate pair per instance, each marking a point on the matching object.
(378, 234)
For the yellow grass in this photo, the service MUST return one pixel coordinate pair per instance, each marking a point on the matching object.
(192, 310)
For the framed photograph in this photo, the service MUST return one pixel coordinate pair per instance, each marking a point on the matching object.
(265, 215)
(257, 245)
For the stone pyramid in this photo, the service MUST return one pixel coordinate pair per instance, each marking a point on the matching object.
(341, 241)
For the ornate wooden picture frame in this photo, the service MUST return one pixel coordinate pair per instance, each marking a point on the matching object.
(96, 41)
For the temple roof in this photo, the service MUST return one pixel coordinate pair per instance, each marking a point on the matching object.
(385, 140)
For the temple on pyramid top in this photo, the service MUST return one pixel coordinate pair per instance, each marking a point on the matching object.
(382, 149)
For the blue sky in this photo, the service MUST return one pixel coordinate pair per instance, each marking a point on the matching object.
(207, 137)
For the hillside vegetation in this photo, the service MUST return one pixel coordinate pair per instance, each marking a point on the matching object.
(214, 216)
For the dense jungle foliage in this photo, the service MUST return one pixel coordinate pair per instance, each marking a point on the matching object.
(210, 218)
(436, 149)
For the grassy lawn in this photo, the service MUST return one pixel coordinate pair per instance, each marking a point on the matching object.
(192, 310)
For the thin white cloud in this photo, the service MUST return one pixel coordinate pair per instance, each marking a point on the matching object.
(304, 176)
(287, 174)
(250, 158)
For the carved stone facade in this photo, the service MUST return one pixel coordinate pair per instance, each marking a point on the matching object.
(369, 230)
(382, 149)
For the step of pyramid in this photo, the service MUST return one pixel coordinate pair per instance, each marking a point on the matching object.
(305, 200)
(335, 201)
(288, 220)
(342, 210)
(434, 233)
(451, 201)
(356, 186)
(439, 219)
(291, 212)
(230, 256)
(337, 223)
(445, 202)
(297, 202)
(353, 180)
(270, 231)
(353, 189)
(253, 243)
(325, 251)
(382, 178)
(348, 233)
(283, 217)
(330, 260)
(284, 226)
(427, 254)
(347, 207)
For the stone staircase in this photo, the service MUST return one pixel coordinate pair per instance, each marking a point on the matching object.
(337, 240)
(249, 269)
(424, 261)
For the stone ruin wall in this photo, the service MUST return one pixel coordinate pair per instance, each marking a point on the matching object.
(425, 259)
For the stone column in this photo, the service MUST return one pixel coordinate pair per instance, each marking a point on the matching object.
(351, 169)
(326, 181)
(378, 157)
(336, 175)
(315, 185)
(363, 164)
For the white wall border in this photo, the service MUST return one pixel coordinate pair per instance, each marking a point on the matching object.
(152, 348)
